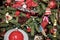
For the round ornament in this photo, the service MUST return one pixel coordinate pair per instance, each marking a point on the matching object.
(8, 1)
(6, 4)
(51, 31)
(28, 15)
(18, 3)
(16, 34)
(17, 13)
(52, 4)
(28, 29)
(31, 3)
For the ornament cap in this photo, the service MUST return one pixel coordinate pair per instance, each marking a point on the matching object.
(16, 28)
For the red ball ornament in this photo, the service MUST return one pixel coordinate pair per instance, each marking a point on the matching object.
(17, 13)
(6, 4)
(52, 4)
(28, 15)
(16, 35)
(52, 31)
(31, 3)
(28, 29)
(18, 3)
(8, 1)
(34, 4)
(15, 5)
(28, 2)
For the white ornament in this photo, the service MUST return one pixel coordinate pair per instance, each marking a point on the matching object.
(8, 17)
(49, 22)
(6, 36)
(24, 6)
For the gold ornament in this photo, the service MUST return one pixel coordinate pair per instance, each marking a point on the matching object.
(54, 34)
(55, 22)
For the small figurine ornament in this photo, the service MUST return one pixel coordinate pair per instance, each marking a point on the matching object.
(8, 17)
(44, 22)
(48, 11)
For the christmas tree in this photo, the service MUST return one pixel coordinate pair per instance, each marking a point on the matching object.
(40, 19)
